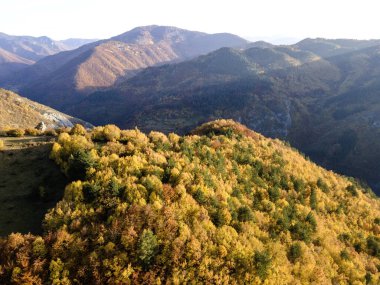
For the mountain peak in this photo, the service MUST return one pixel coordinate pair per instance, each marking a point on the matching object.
(152, 34)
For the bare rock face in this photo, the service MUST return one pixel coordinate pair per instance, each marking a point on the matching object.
(41, 126)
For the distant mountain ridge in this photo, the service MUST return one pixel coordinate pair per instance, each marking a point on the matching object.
(332, 47)
(31, 48)
(18, 52)
(35, 48)
(101, 64)
(73, 43)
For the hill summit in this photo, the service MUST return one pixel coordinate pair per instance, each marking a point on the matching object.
(224, 205)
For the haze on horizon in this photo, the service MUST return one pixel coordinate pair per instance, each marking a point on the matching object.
(269, 20)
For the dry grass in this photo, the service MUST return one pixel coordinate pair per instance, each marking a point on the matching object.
(17, 112)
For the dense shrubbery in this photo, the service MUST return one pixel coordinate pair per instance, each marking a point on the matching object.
(226, 206)
(34, 132)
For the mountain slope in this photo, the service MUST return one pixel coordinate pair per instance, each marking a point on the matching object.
(10, 63)
(30, 48)
(17, 52)
(327, 107)
(333, 47)
(19, 112)
(225, 83)
(224, 205)
(101, 64)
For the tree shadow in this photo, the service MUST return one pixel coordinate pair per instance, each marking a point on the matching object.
(30, 184)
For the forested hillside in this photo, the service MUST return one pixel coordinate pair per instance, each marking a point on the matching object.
(222, 205)
(328, 107)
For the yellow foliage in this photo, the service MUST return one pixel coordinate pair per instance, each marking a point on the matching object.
(224, 205)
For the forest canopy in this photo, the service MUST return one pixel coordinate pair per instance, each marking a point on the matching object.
(222, 205)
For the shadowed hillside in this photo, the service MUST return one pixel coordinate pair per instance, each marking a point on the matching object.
(30, 184)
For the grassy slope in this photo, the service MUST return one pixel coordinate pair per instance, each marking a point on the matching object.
(24, 168)
(20, 112)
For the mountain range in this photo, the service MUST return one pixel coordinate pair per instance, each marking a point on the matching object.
(318, 94)
(18, 52)
(66, 77)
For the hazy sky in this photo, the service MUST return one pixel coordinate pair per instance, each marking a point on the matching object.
(60, 19)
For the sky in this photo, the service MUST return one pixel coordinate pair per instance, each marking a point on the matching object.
(272, 20)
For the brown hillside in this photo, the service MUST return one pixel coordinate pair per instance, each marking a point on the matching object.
(112, 60)
(19, 112)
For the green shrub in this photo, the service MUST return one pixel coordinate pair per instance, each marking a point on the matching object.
(91, 192)
(262, 262)
(299, 185)
(373, 246)
(302, 231)
(245, 214)
(313, 199)
(294, 252)
(199, 196)
(274, 194)
(148, 248)
(344, 255)
(352, 190)
(368, 278)
(322, 185)
(312, 221)
(79, 162)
